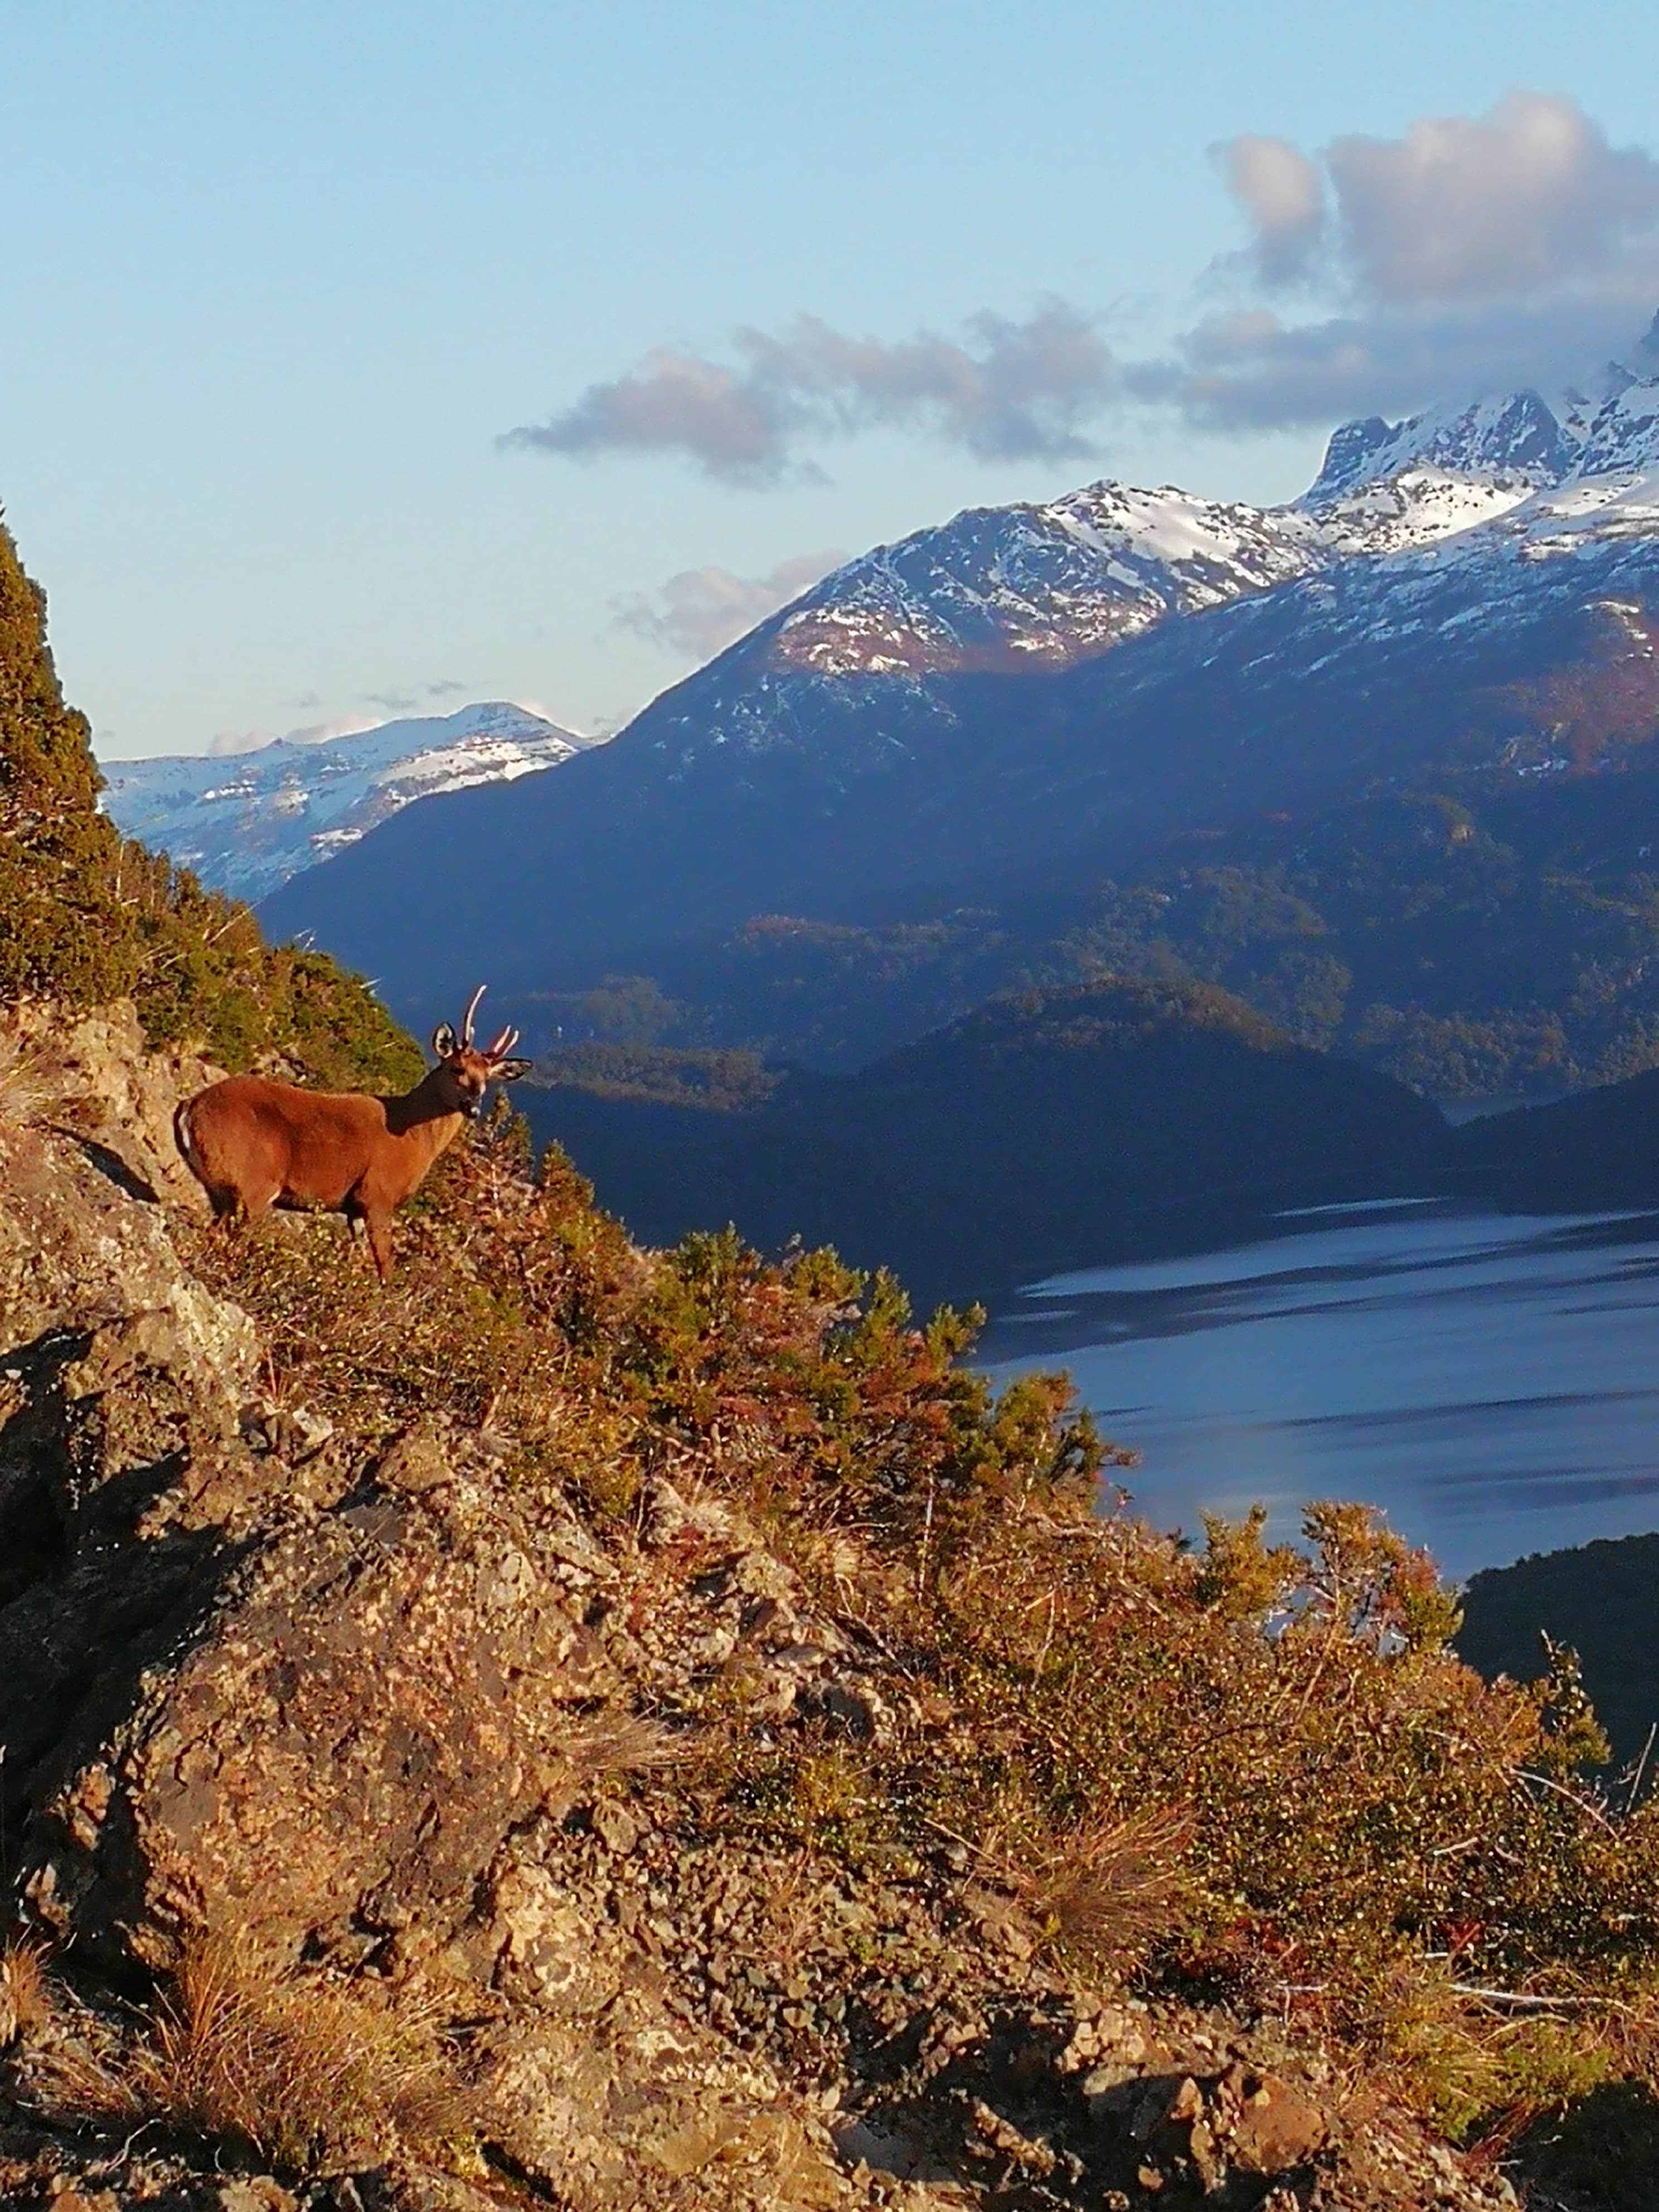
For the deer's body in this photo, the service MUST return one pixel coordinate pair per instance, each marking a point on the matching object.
(253, 1143)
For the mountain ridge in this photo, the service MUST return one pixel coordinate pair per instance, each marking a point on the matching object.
(246, 822)
(1043, 1130)
(906, 739)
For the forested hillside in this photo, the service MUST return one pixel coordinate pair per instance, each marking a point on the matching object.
(1596, 1600)
(88, 917)
(1053, 1129)
(1473, 937)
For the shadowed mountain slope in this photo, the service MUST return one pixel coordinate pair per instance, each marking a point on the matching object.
(1595, 1598)
(1518, 653)
(1055, 1130)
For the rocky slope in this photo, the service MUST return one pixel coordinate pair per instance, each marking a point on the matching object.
(406, 1810)
(246, 822)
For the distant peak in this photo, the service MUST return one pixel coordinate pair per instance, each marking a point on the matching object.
(1352, 446)
(1511, 437)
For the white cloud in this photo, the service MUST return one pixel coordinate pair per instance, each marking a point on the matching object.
(699, 611)
(240, 741)
(1010, 391)
(1460, 208)
(1469, 254)
(560, 721)
(1494, 207)
(312, 733)
(1282, 195)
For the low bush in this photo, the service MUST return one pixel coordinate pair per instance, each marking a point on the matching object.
(1257, 1773)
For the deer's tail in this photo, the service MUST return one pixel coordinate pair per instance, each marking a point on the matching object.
(184, 1137)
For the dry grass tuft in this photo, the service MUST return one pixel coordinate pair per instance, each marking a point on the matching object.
(29, 1083)
(26, 2004)
(1107, 1891)
(306, 2072)
(611, 1744)
(604, 1748)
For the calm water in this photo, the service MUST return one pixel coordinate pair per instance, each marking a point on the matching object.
(1490, 1380)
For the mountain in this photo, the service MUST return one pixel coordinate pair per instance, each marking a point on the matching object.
(1050, 1130)
(1598, 1600)
(247, 822)
(1598, 1150)
(1119, 1118)
(1003, 711)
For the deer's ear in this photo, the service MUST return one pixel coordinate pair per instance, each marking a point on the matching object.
(509, 1071)
(443, 1041)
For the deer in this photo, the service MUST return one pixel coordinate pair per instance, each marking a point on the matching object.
(253, 1143)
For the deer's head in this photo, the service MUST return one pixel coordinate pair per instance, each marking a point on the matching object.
(465, 1070)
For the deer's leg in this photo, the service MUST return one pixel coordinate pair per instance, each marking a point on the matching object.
(376, 1221)
(235, 1210)
(379, 1228)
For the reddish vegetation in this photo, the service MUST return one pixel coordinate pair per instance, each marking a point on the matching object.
(1596, 707)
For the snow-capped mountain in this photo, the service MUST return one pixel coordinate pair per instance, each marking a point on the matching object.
(1011, 587)
(1039, 694)
(1388, 486)
(246, 822)
(1046, 587)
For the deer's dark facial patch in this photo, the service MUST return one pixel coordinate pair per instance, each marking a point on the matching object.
(469, 1074)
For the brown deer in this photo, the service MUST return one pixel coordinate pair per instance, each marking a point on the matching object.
(253, 1143)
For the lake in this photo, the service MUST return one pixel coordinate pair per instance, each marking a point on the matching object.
(1490, 1380)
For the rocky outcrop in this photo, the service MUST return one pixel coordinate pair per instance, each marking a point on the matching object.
(371, 1724)
(92, 1078)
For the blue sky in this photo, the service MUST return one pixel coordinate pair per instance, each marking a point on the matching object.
(283, 281)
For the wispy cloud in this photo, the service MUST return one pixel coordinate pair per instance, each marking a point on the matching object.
(1282, 195)
(1468, 254)
(309, 733)
(411, 698)
(560, 721)
(1007, 390)
(699, 612)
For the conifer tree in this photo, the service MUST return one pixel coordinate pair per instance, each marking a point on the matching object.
(87, 917)
(60, 921)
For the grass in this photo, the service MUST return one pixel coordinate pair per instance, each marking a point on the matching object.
(251, 2054)
(28, 1084)
(1104, 1893)
(25, 1993)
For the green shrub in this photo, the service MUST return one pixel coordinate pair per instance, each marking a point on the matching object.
(87, 917)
